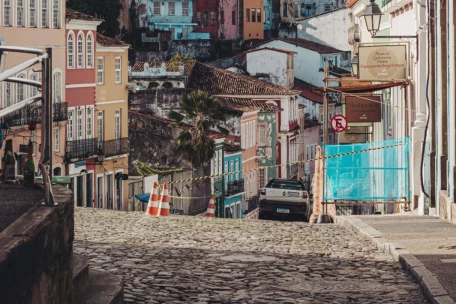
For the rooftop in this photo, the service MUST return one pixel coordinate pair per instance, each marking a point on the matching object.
(188, 66)
(218, 81)
(270, 49)
(306, 93)
(212, 134)
(110, 42)
(230, 148)
(72, 14)
(247, 104)
(307, 44)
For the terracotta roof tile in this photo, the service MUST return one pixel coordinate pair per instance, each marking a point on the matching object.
(351, 3)
(188, 66)
(110, 42)
(218, 81)
(213, 134)
(247, 104)
(72, 14)
(307, 44)
(271, 49)
(306, 93)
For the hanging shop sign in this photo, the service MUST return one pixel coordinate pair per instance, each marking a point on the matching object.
(366, 108)
(382, 63)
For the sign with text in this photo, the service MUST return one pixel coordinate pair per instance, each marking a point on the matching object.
(367, 108)
(382, 63)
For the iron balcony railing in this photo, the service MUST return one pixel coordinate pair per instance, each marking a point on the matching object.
(114, 147)
(234, 187)
(82, 148)
(32, 114)
(385, 2)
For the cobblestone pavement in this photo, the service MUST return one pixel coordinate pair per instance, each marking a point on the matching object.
(182, 259)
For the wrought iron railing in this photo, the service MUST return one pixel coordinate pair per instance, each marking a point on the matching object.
(234, 187)
(32, 114)
(82, 148)
(115, 147)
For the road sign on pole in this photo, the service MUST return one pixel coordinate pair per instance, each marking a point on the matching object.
(339, 123)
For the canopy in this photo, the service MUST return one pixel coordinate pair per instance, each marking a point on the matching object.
(362, 88)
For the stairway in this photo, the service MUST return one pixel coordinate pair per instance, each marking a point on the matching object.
(96, 287)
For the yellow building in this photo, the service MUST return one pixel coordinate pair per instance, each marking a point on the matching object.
(111, 123)
(35, 24)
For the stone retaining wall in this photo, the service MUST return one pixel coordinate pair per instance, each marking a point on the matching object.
(36, 254)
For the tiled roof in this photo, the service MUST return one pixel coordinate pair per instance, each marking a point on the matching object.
(110, 42)
(188, 66)
(307, 44)
(351, 3)
(72, 14)
(212, 134)
(230, 148)
(219, 81)
(270, 49)
(306, 93)
(247, 104)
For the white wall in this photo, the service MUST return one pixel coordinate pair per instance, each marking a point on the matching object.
(269, 62)
(306, 62)
(329, 29)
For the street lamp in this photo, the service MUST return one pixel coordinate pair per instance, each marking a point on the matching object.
(355, 64)
(100, 155)
(372, 15)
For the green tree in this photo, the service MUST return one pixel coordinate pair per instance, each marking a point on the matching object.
(108, 10)
(200, 113)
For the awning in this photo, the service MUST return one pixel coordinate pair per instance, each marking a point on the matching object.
(144, 198)
(362, 88)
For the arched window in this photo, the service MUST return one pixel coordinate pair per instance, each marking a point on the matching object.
(80, 50)
(20, 90)
(57, 86)
(70, 50)
(90, 50)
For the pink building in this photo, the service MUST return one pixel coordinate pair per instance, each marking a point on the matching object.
(229, 21)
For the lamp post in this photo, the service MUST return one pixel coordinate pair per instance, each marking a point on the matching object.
(100, 156)
(355, 65)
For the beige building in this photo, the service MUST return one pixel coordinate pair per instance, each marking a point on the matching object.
(37, 24)
(111, 122)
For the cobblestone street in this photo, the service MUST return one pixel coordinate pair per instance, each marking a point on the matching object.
(182, 259)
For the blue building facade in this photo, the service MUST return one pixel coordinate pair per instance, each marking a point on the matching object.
(176, 17)
(268, 19)
(233, 184)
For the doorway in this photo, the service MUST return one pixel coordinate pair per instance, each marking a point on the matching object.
(109, 185)
(100, 186)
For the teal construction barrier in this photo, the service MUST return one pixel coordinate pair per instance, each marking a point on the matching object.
(378, 172)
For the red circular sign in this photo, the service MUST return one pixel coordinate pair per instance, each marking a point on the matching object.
(339, 123)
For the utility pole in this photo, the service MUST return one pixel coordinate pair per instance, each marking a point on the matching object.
(325, 127)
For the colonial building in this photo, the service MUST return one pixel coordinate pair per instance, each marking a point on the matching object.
(252, 17)
(27, 25)
(80, 87)
(111, 123)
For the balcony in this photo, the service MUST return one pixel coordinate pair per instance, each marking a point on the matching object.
(234, 187)
(28, 114)
(389, 6)
(81, 149)
(115, 147)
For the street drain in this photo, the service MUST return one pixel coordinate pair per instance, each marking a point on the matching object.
(248, 258)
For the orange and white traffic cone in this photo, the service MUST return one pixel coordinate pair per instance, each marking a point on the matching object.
(211, 208)
(163, 209)
(154, 200)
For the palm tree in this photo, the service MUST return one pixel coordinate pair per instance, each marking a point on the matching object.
(200, 113)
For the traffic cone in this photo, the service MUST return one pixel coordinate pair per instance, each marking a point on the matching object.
(210, 209)
(163, 209)
(154, 200)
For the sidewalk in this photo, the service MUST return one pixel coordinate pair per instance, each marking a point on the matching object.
(424, 245)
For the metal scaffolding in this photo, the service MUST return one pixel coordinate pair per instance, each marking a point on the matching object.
(45, 59)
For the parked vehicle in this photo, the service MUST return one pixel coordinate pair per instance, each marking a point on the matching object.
(285, 197)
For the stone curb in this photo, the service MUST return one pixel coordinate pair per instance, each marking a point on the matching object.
(430, 285)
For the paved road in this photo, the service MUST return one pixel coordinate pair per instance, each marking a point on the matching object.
(199, 260)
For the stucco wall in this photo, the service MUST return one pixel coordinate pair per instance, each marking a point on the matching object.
(269, 62)
(253, 30)
(307, 63)
(329, 29)
(228, 30)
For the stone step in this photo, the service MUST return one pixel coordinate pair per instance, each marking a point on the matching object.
(104, 288)
(80, 275)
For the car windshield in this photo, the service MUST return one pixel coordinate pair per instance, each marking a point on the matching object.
(285, 185)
